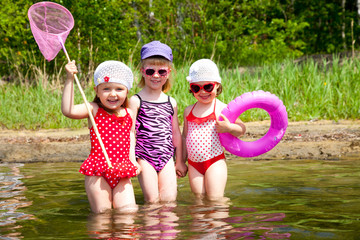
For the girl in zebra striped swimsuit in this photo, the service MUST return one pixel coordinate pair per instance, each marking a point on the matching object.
(158, 137)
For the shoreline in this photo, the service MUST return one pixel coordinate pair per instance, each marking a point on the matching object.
(319, 140)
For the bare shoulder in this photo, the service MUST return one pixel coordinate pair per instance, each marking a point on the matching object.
(134, 102)
(131, 112)
(220, 104)
(173, 102)
(94, 107)
(134, 98)
(188, 109)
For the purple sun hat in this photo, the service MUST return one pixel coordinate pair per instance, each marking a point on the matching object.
(156, 48)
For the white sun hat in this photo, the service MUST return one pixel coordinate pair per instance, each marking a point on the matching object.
(203, 70)
(114, 71)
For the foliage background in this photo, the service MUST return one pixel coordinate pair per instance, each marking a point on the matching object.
(257, 44)
(233, 33)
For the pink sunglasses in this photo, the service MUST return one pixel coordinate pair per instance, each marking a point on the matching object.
(163, 72)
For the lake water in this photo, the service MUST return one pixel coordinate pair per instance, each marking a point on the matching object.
(305, 199)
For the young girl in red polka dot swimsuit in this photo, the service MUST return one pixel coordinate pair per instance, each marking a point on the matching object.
(115, 132)
(205, 154)
(105, 187)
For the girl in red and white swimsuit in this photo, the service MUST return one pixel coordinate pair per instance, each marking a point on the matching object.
(105, 187)
(205, 154)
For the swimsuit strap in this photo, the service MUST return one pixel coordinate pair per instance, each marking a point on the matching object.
(139, 105)
(138, 96)
(197, 102)
(139, 99)
(192, 118)
(104, 111)
(172, 108)
(193, 108)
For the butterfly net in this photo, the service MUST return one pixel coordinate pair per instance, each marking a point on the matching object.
(50, 24)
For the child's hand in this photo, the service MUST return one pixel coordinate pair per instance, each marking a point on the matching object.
(71, 69)
(223, 126)
(138, 170)
(181, 169)
(236, 129)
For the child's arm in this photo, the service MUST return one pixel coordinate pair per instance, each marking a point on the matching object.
(236, 129)
(180, 166)
(134, 104)
(67, 104)
(132, 143)
(184, 134)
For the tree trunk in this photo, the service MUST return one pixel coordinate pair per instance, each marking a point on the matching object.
(343, 4)
(358, 9)
(136, 22)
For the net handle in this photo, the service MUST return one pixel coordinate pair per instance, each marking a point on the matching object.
(88, 109)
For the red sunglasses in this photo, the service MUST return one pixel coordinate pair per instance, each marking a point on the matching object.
(163, 72)
(195, 88)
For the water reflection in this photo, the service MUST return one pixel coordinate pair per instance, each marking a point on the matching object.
(201, 220)
(112, 224)
(257, 224)
(213, 220)
(159, 221)
(208, 218)
(12, 198)
(288, 200)
(152, 221)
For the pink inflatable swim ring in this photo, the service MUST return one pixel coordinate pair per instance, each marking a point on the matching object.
(279, 121)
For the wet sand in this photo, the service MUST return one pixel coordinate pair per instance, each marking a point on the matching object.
(322, 140)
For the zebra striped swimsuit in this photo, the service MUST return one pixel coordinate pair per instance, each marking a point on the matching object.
(154, 133)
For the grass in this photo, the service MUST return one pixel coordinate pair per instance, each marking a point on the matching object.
(310, 90)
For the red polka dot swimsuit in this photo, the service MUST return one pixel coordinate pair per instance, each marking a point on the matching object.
(203, 142)
(115, 134)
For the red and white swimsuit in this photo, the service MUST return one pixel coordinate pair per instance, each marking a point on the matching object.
(115, 134)
(203, 142)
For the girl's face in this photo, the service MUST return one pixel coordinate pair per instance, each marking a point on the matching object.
(155, 76)
(204, 91)
(112, 95)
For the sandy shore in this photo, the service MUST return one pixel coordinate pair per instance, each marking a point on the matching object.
(322, 140)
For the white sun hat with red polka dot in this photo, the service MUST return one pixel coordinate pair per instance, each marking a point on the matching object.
(114, 71)
(203, 70)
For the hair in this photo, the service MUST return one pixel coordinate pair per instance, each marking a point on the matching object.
(97, 100)
(158, 61)
(218, 91)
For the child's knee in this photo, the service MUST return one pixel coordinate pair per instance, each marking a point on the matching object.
(168, 196)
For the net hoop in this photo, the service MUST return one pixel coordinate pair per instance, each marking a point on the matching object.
(50, 24)
(50, 4)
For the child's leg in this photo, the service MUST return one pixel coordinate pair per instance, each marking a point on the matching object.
(123, 195)
(148, 179)
(99, 193)
(215, 180)
(196, 180)
(167, 182)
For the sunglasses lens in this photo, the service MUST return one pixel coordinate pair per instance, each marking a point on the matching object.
(195, 88)
(149, 72)
(208, 87)
(162, 72)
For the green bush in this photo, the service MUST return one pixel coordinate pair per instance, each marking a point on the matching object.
(233, 33)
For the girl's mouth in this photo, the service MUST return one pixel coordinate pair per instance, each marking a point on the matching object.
(204, 96)
(112, 101)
